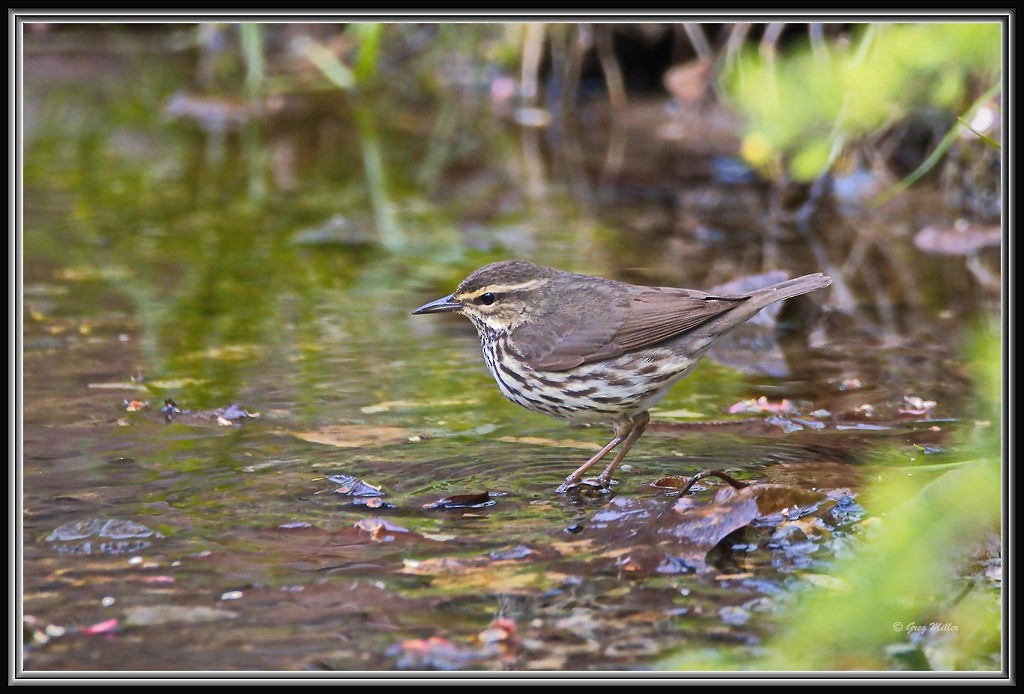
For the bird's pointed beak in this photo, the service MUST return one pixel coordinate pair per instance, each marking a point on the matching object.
(446, 304)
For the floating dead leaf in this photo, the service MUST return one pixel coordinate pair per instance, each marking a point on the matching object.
(350, 485)
(554, 443)
(463, 501)
(963, 239)
(705, 525)
(772, 499)
(379, 529)
(356, 435)
(762, 404)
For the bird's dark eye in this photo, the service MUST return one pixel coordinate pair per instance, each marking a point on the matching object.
(488, 298)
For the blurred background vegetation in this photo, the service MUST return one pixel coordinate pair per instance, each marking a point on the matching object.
(349, 165)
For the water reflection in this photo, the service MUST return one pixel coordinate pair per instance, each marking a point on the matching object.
(274, 263)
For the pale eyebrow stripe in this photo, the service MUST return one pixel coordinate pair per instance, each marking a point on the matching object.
(501, 288)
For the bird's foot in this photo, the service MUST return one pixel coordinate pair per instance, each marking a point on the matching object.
(598, 483)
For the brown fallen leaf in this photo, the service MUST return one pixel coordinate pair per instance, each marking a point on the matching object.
(706, 525)
(674, 482)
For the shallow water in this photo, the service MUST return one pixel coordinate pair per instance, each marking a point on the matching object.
(264, 265)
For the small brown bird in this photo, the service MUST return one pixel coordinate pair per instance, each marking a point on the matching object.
(591, 350)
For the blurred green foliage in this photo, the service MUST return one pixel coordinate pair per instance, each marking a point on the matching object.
(803, 107)
(896, 603)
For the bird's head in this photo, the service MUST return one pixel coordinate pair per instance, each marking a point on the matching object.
(498, 297)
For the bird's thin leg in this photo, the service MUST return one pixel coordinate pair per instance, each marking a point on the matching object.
(574, 479)
(639, 427)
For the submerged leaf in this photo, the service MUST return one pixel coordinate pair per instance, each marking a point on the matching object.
(707, 525)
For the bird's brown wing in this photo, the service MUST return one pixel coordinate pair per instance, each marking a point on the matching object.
(626, 322)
